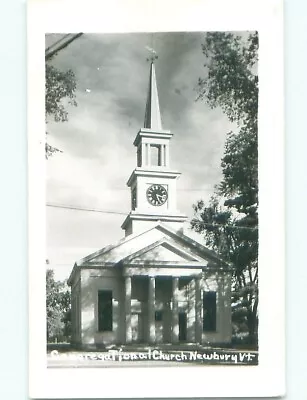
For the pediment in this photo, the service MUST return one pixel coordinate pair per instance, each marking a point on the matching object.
(161, 251)
(160, 244)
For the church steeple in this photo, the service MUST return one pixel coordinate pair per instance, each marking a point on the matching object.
(152, 112)
(153, 182)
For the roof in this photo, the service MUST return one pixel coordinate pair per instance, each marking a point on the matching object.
(152, 111)
(159, 245)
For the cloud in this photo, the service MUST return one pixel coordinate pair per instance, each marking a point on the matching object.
(97, 141)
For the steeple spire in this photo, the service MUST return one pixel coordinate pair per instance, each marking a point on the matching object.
(152, 112)
(153, 182)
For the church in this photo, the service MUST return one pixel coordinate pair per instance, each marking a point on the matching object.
(156, 285)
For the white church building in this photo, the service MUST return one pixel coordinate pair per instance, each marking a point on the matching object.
(156, 285)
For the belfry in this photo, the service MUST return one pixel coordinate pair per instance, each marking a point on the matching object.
(156, 285)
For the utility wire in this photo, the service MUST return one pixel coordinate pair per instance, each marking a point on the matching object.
(228, 226)
(54, 44)
(85, 209)
(126, 213)
(178, 189)
(57, 46)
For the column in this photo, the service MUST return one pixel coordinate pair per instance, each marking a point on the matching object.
(148, 154)
(162, 155)
(167, 156)
(73, 317)
(191, 314)
(143, 155)
(128, 309)
(198, 311)
(175, 317)
(78, 316)
(151, 310)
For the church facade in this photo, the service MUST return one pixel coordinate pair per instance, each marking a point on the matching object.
(156, 285)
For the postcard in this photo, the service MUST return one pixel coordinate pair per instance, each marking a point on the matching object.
(155, 131)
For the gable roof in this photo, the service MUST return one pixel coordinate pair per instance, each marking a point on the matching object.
(159, 245)
(145, 244)
(161, 250)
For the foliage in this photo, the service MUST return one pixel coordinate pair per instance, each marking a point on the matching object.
(231, 82)
(58, 309)
(59, 86)
(230, 220)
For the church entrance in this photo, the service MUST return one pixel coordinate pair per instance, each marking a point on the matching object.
(182, 326)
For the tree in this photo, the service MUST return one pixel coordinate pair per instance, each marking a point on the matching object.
(58, 309)
(59, 86)
(230, 221)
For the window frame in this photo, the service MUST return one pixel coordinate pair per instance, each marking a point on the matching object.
(209, 312)
(105, 323)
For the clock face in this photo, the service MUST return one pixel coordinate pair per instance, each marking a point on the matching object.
(156, 195)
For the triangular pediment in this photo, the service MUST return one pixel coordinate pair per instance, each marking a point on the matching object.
(161, 251)
(160, 244)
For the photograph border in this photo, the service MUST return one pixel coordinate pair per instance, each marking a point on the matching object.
(266, 18)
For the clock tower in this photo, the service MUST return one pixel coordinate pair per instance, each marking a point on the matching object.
(153, 182)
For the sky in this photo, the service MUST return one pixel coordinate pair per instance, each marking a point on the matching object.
(98, 155)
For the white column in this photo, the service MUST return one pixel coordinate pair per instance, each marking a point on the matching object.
(162, 155)
(128, 308)
(143, 155)
(191, 314)
(151, 310)
(175, 317)
(198, 311)
(167, 156)
(148, 154)
(73, 317)
(78, 316)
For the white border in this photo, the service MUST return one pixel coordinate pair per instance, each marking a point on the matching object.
(267, 379)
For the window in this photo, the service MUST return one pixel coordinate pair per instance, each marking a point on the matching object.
(105, 311)
(158, 315)
(209, 311)
(155, 154)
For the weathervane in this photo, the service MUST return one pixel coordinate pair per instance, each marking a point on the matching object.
(153, 54)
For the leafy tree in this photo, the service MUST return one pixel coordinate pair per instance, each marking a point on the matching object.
(59, 86)
(58, 309)
(230, 221)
